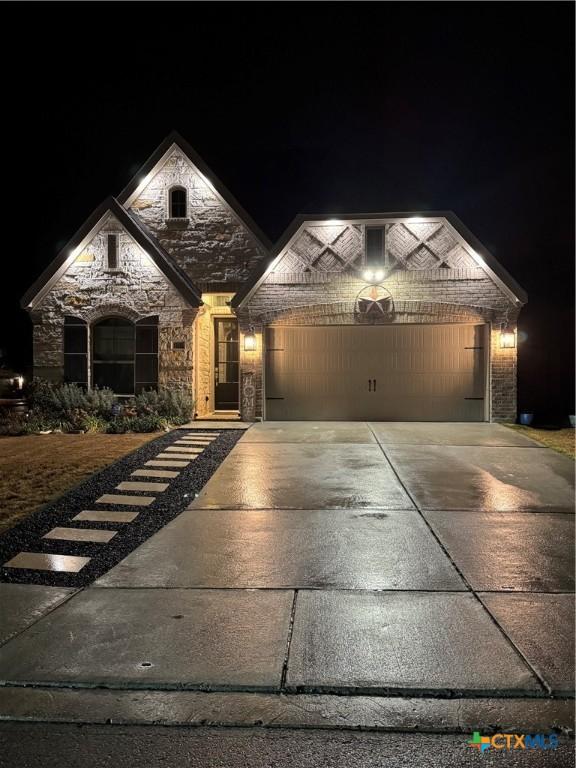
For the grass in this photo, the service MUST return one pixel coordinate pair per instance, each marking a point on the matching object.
(561, 440)
(36, 469)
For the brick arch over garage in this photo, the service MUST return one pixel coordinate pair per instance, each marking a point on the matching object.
(405, 311)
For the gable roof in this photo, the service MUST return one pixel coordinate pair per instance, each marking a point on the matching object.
(144, 239)
(480, 253)
(156, 160)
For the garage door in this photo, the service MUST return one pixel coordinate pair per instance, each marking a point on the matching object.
(389, 373)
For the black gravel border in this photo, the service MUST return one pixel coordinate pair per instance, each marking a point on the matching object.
(26, 536)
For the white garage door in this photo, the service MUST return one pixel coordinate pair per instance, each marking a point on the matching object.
(388, 373)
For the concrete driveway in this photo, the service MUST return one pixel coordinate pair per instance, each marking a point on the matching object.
(433, 561)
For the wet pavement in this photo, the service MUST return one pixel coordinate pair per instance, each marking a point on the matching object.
(372, 561)
(149, 747)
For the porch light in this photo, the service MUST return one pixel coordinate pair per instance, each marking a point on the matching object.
(373, 275)
(249, 341)
(507, 338)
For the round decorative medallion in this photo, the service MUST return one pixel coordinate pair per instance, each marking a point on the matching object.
(374, 304)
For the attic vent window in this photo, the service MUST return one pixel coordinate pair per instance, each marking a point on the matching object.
(177, 206)
(112, 252)
(375, 246)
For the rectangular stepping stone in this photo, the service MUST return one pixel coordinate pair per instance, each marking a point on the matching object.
(106, 516)
(188, 456)
(182, 449)
(138, 485)
(154, 473)
(155, 463)
(38, 561)
(191, 444)
(202, 434)
(133, 501)
(81, 534)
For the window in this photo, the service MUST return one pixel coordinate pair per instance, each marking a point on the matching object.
(113, 355)
(177, 203)
(75, 351)
(125, 355)
(375, 246)
(146, 359)
(112, 252)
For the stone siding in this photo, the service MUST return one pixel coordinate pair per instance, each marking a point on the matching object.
(136, 289)
(211, 245)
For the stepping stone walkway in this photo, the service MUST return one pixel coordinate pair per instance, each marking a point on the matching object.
(81, 534)
(141, 486)
(39, 561)
(187, 447)
(106, 516)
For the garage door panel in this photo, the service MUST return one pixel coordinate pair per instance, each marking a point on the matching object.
(423, 373)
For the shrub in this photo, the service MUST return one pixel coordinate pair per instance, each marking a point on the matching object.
(175, 406)
(40, 423)
(88, 422)
(150, 423)
(101, 402)
(67, 400)
(11, 423)
(118, 426)
(70, 408)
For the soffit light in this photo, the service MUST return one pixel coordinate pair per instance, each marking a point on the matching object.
(373, 275)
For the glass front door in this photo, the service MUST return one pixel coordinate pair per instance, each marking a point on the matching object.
(226, 364)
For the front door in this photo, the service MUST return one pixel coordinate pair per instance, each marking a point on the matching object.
(226, 364)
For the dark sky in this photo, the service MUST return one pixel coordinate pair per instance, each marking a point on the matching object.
(308, 107)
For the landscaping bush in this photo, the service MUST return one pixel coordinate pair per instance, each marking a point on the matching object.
(175, 406)
(70, 408)
(101, 402)
(11, 423)
(149, 423)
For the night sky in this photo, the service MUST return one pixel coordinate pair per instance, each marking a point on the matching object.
(308, 107)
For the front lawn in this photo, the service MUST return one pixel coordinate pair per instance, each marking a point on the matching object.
(561, 440)
(34, 469)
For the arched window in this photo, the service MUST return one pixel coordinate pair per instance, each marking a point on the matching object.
(125, 355)
(75, 351)
(177, 203)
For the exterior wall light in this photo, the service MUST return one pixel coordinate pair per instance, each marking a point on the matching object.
(373, 275)
(249, 341)
(507, 338)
